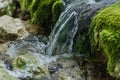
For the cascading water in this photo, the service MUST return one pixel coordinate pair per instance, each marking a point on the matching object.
(64, 30)
(62, 33)
(76, 14)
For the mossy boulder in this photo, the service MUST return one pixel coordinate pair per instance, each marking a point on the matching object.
(105, 37)
(29, 66)
(25, 60)
(43, 12)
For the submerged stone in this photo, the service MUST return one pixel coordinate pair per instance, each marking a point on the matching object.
(27, 59)
(4, 75)
(105, 37)
(28, 65)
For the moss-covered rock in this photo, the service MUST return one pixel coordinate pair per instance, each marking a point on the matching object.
(43, 12)
(29, 66)
(105, 37)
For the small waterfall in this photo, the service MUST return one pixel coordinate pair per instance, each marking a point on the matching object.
(76, 12)
(61, 38)
(63, 32)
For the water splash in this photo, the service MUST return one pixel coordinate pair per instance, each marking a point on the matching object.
(26, 48)
(91, 1)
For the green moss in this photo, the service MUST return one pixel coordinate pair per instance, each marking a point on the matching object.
(105, 36)
(28, 64)
(43, 12)
(7, 10)
(20, 62)
(57, 9)
(82, 46)
(25, 3)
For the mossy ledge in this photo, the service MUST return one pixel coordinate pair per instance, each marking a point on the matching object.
(43, 12)
(104, 34)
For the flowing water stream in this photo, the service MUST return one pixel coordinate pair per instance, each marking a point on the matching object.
(76, 17)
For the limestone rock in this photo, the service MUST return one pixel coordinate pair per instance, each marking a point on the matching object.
(11, 29)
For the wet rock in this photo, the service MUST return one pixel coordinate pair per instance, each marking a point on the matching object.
(29, 66)
(52, 70)
(65, 69)
(96, 71)
(4, 57)
(43, 39)
(27, 62)
(3, 47)
(8, 65)
(11, 29)
(4, 75)
(7, 61)
(34, 28)
(30, 44)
